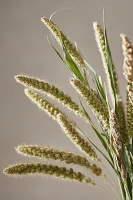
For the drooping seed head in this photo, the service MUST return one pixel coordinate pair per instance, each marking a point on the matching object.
(70, 130)
(42, 103)
(45, 169)
(54, 29)
(51, 153)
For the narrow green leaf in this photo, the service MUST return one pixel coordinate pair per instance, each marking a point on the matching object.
(86, 114)
(109, 61)
(100, 151)
(100, 90)
(97, 83)
(110, 66)
(69, 61)
(58, 53)
(72, 66)
(99, 135)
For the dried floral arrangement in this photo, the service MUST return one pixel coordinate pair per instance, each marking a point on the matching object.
(115, 120)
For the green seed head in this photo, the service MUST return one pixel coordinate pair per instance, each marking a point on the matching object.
(92, 101)
(129, 114)
(70, 130)
(100, 39)
(45, 169)
(122, 121)
(69, 46)
(43, 103)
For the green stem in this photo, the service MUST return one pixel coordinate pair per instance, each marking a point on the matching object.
(122, 189)
(127, 191)
(97, 148)
(106, 181)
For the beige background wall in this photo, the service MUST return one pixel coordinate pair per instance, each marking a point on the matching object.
(24, 49)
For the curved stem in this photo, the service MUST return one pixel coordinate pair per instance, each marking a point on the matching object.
(107, 192)
(118, 194)
(106, 181)
(127, 190)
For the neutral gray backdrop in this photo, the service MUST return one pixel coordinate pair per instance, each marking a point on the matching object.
(24, 49)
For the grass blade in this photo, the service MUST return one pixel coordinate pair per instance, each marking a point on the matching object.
(69, 61)
(57, 53)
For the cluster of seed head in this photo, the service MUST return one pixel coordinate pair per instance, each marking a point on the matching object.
(92, 100)
(117, 144)
(50, 90)
(70, 130)
(45, 169)
(50, 153)
(128, 58)
(43, 103)
(100, 39)
(122, 121)
(72, 50)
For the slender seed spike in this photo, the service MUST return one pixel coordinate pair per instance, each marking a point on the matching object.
(43, 103)
(128, 72)
(122, 120)
(99, 35)
(45, 169)
(128, 58)
(92, 101)
(50, 153)
(100, 39)
(129, 111)
(69, 46)
(50, 90)
(117, 144)
(130, 93)
(70, 130)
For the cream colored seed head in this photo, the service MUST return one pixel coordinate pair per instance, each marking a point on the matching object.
(128, 58)
(100, 39)
(117, 144)
(130, 93)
